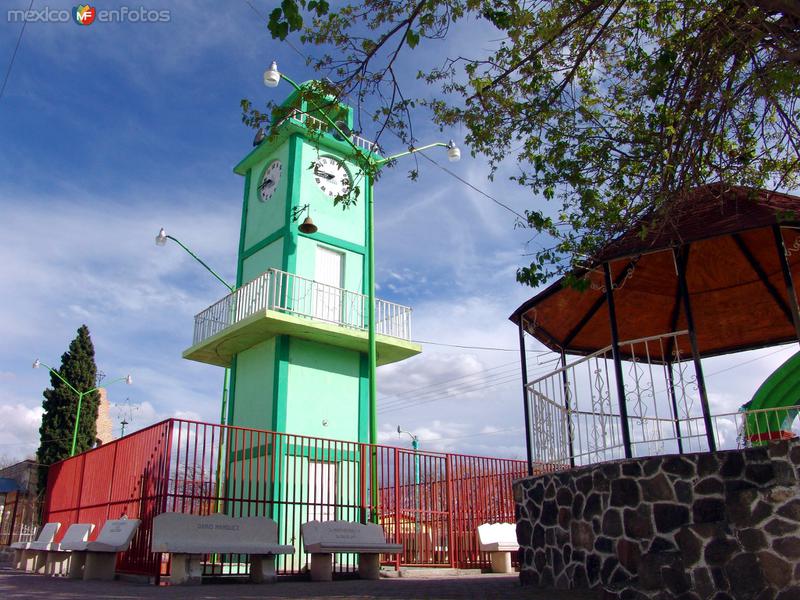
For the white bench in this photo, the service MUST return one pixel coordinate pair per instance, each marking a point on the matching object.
(98, 559)
(188, 537)
(25, 558)
(323, 539)
(51, 555)
(499, 540)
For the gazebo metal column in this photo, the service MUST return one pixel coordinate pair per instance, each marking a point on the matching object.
(567, 407)
(623, 407)
(787, 278)
(681, 256)
(674, 402)
(524, 365)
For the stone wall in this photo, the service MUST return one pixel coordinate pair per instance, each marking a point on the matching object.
(696, 526)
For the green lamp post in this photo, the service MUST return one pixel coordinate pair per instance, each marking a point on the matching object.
(371, 165)
(161, 240)
(415, 447)
(127, 379)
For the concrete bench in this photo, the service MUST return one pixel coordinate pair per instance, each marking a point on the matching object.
(188, 537)
(24, 557)
(50, 554)
(499, 540)
(323, 539)
(98, 559)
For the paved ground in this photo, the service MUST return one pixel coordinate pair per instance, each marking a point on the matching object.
(15, 585)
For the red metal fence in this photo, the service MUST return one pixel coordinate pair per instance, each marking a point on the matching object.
(430, 502)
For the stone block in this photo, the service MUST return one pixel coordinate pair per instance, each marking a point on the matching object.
(369, 565)
(638, 523)
(581, 535)
(677, 465)
(709, 486)
(790, 593)
(628, 554)
(604, 544)
(744, 576)
(564, 497)
(690, 545)
(791, 510)
(720, 550)
(732, 465)
(676, 580)
(657, 488)
(777, 571)
(612, 523)
(780, 527)
(788, 547)
(760, 474)
(631, 469)
(708, 510)
(669, 517)
(707, 464)
(625, 492)
(577, 505)
(684, 491)
(321, 567)
(752, 539)
(564, 517)
(702, 583)
(593, 507)
(549, 513)
(650, 566)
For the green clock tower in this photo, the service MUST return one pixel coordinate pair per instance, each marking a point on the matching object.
(294, 332)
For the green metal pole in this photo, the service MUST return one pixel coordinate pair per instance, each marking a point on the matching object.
(77, 420)
(373, 363)
(198, 259)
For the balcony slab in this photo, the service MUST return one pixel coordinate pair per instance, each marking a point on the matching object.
(220, 348)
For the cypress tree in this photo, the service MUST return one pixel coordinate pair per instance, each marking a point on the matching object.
(61, 403)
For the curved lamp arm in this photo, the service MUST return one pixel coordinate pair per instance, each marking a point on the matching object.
(162, 238)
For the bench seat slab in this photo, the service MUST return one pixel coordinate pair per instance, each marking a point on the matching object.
(338, 547)
(223, 548)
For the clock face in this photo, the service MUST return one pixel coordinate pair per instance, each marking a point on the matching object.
(331, 176)
(269, 181)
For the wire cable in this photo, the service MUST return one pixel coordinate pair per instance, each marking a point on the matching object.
(537, 352)
(14, 54)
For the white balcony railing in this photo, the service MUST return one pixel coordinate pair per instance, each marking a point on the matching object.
(289, 293)
(575, 417)
(319, 125)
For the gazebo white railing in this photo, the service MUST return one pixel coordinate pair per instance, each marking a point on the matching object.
(575, 418)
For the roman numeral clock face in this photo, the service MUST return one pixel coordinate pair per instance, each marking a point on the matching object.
(269, 181)
(331, 176)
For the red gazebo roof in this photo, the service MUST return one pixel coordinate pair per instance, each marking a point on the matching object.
(736, 284)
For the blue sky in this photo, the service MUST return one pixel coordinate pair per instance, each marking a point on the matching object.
(110, 131)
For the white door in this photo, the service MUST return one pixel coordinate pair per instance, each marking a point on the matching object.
(321, 491)
(327, 296)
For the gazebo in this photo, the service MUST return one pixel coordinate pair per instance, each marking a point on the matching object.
(714, 275)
